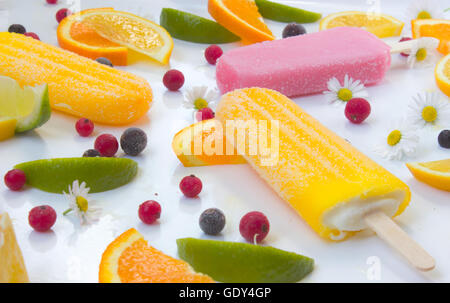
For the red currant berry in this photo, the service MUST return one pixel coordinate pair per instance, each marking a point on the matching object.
(149, 211)
(204, 114)
(357, 110)
(15, 179)
(42, 218)
(62, 13)
(84, 127)
(32, 35)
(52, 1)
(212, 53)
(173, 79)
(254, 226)
(405, 39)
(191, 186)
(106, 145)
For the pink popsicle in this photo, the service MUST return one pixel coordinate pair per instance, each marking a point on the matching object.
(303, 64)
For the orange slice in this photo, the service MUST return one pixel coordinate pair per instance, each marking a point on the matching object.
(381, 25)
(435, 28)
(129, 259)
(434, 173)
(208, 134)
(80, 38)
(12, 267)
(131, 31)
(442, 74)
(241, 17)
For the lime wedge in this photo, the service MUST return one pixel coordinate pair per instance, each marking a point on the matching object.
(284, 13)
(30, 106)
(233, 262)
(193, 28)
(100, 174)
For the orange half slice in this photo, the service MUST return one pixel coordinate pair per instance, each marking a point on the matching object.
(131, 31)
(129, 259)
(203, 143)
(435, 28)
(242, 18)
(76, 36)
(434, 173)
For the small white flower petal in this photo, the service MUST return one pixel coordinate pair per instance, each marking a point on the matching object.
(355, 86)
(418, 6)
(428, 99)
(194, 93)
(407, 145)
(75, 191)
(427, 43)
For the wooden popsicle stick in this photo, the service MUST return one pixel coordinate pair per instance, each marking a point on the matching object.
(393, 235)
(401, 47)
(406, 46)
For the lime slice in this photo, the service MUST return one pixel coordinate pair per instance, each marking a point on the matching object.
(30, 106)
(285, 13)
(100, 174)
(232, 262)
(193, 28)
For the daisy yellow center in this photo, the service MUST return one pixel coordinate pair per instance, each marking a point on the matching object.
(200, 103)
(394, 137)
(82, 204)
(421, 54)
(424, 15)
(345, 94)
(429, 113)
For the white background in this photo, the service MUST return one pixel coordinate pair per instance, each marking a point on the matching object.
(71, 252)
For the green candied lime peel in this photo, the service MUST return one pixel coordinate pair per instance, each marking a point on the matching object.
(284, 13)
(233, 262)
(29, 105)
(193, 28)
(99, 173)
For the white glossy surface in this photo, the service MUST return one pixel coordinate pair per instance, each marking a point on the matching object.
(72, 252)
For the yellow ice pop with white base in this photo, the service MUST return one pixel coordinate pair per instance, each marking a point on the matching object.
(332, 185)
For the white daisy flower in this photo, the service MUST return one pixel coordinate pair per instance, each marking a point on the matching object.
(351, 89)
(423, 52)
(401, 140)
(428, 109)
(424, 9)
(199, 97)
(78, 198)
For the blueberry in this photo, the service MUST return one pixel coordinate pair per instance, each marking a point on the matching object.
(293, 29)
(212, 221)
(104, 61)
(444, 138)
(17, 28)
(133, 141)
(91, 153)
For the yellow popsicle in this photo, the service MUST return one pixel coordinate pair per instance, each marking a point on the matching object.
(323, 177)
(77, 85)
